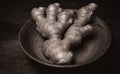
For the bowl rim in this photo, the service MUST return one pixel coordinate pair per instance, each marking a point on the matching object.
(54, 65)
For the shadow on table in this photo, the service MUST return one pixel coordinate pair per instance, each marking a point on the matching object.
(97, 67)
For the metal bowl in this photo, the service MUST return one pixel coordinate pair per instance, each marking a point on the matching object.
(92, 47)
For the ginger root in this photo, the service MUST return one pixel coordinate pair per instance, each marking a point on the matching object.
(59, 23)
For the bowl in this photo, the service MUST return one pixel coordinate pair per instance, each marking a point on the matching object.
(92, 47)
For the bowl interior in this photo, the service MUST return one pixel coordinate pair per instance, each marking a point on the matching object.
(92, 47)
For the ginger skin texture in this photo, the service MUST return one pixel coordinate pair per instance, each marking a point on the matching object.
(62, 29)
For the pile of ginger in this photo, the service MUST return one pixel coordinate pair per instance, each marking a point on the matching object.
(63, 28)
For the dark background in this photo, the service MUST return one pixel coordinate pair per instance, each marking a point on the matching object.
(14, 13)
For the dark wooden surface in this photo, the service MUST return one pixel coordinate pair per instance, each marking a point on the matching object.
(14, 13)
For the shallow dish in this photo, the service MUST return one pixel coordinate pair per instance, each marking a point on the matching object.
(92, 47)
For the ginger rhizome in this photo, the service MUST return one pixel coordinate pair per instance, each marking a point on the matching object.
(62, 29)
